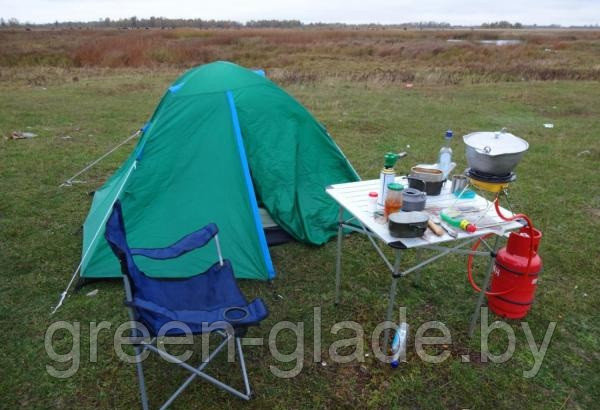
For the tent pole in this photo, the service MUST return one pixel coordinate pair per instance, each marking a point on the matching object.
(63, 295)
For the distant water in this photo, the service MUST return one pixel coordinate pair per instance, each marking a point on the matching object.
(489, 42)
(500, 42)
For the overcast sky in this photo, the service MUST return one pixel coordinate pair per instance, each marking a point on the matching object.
(466, 12)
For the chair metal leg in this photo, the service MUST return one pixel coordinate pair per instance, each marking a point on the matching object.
(194, 375)
(243, 366)
(140, 373)
(202, 375)
(198, 372)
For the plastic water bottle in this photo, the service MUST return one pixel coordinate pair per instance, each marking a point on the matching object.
(445, 156)
(399, 344)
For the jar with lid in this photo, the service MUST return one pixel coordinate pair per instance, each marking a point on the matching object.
(373, 203)
(393, 200)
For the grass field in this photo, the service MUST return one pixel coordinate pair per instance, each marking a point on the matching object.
(97, 104)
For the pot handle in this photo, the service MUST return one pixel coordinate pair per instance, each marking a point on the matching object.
(498, 133)
(485, 150)
(414, 228)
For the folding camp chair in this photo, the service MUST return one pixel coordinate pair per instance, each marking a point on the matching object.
(207, 302)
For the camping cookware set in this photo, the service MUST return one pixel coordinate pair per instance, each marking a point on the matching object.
(488, 153)
(492, 158)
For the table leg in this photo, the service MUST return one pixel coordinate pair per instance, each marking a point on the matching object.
(417, 273)
(338, 261)
(484, 288)
(392, 296)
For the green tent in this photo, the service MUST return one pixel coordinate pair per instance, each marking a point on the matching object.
(222, 141)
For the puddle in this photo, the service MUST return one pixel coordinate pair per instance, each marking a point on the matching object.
(500, 42)
(488, 42)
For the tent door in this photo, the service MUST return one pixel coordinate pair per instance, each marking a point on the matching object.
(274, 233)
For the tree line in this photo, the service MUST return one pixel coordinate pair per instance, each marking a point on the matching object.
(163, 22)
(135, 22)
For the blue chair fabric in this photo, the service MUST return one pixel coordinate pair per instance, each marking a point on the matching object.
(205, 302)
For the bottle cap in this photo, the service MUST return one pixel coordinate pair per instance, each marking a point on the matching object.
(394, 186)
(373, 194)
(449, 134)
(390, 159)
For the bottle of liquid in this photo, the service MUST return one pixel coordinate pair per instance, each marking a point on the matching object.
(373, 203)
(399, 344)
(387, 176)
(445, 156)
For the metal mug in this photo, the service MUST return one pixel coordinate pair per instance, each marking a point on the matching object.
(459, 182)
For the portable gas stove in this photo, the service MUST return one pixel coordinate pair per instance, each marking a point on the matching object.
(489, 182)
(484, 182)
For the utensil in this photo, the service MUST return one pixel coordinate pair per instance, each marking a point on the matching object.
(449, 230)
(495, 153)
(495, 224)
(407, 224)
(459, 182)
(435, 228)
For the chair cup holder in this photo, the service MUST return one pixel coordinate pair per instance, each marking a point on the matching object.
(229, 310)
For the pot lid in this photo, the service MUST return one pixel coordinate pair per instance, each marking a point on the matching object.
(495, 143)
(403, 217)
(426, 173)
(413, 195)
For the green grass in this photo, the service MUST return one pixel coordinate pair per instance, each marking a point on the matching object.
(557, 186)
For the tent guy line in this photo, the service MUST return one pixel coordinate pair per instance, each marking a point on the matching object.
(63, 295)
(70, 181)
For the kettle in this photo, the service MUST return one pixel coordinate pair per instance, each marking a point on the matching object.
(413, 200)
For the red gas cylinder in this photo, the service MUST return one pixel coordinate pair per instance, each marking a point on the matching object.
(511, 271)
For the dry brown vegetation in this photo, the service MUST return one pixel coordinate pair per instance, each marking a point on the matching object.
(305, 55)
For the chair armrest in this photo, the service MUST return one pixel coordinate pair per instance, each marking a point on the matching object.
(254, 312)
(188, 243)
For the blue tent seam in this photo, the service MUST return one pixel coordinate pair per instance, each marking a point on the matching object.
(250, 186)
(176, 87)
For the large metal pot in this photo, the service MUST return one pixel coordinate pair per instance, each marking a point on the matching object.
(494, 153)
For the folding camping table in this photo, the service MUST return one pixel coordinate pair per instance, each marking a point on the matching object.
(353, 198)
